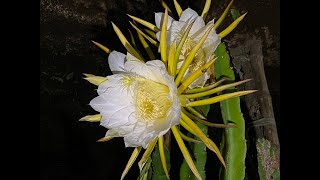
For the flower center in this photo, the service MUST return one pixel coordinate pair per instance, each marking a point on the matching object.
(199, 59)
(151, 100)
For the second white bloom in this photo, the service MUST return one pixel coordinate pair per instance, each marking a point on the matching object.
(175, 31)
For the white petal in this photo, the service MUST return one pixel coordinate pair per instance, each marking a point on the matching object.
(115, 102)
(176, 29)
(158, 35)
(152, 70)
(198, 24)
(188, 14)
(119, 132)
(212, 41)
(158, 20)
(130, 57)
(199, 82)
(114, 84)
(116, 61)
(118, 117)
(139, 136)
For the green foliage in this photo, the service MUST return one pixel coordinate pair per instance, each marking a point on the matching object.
(199, 152)
(158, 172)
(234, 144)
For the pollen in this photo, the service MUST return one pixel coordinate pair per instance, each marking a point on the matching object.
(151, 100)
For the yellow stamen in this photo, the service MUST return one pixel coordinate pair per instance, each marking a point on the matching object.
(151, 100)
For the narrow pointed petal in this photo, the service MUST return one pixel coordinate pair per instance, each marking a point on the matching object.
(162, 156)
(133, 157)
(96, 80)
(91, 118)
(185, 152)
(215, 90)
(184, 85)
(145, 23)
(180, 45)
(105, 49)
(151, 33)
(152, 41)
(191, 56)
(125, 43)
(196, 113)
(134, 45)
(207, 123)
(165, 6)
(163, 38)
(189, 139)
(147, 153)
(223, 15)
(105, 139)
(219, 98)
(185, 126)
(146, 46)
(206, 9)
(172, 64)
(205, 88)
(231, 27)
(88, 75)
(178, 7)
(210, 145)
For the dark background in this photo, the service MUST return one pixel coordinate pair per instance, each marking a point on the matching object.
(68, 148)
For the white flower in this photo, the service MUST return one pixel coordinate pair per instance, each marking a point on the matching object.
(138, 103)
(175, 30)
